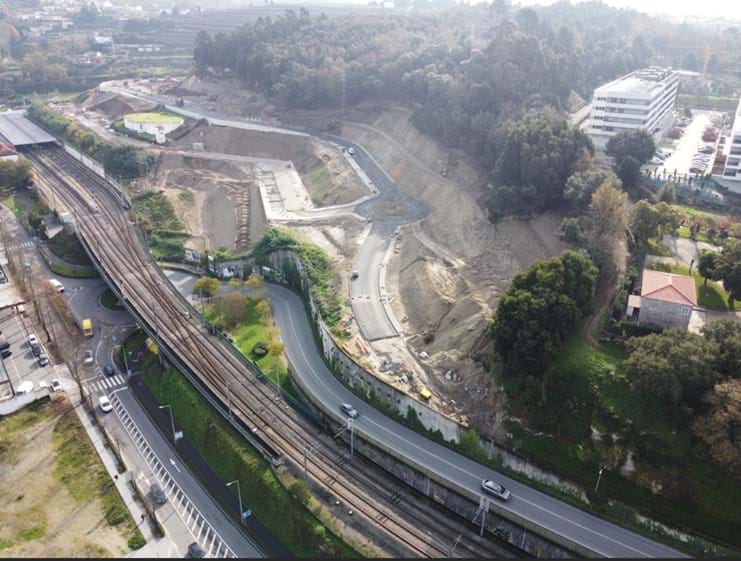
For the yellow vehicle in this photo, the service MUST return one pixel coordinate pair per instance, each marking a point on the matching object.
(87, 327)
(425, 394)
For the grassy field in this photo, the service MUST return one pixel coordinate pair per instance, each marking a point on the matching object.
(233, 459)
(248, 333)
(155, 117)
(56, 497)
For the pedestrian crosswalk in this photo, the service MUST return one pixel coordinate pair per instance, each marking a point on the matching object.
(67, 384)
(105, 384)
(25, 245)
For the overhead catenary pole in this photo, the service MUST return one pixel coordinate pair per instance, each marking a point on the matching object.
(172, 422)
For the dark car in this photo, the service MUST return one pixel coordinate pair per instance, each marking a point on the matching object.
(108, 370)
(158, 495)
(4, 343)
(195, 551)
(495, 489)
(36, 349)
(5, 353)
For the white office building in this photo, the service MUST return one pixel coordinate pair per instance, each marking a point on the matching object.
(643, 99)
(732, 171)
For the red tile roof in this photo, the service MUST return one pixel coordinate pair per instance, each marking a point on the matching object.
(7, 150)
(667, 287)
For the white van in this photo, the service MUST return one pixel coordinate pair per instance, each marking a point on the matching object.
(58, 286)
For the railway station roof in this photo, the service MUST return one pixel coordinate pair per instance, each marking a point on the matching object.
(20, 131)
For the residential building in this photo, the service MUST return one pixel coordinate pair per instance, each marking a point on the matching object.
(643, 99)
(732, 150)
(665, 300)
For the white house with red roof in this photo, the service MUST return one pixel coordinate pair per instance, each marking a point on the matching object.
(666, 300)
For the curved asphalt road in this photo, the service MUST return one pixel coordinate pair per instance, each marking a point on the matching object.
(576, 525)
(592, 532)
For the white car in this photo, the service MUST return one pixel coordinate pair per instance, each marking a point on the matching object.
(495, 489)
(32, 340)
(349, 410)
(58, 286)
(351, 151)
(89, 358)
(656, 161)
(105, 404)
(56, 385)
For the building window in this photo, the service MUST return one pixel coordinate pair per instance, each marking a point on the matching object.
(684, 310)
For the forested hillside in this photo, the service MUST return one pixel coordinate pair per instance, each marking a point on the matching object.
(465, 71)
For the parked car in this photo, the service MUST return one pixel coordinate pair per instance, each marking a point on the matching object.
(706, 150)
(656, 161)
(32, 340)
(43, 359)
(36, 349)
(4, 343)
(105, 404)
(495, 489)
(351, 151)
(89, 358)
(6, 353)
(349, 410)
(58, 286)
(56, 385)
(158, 494)
(354, 275)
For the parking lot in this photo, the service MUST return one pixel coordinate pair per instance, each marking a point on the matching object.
(685, 148)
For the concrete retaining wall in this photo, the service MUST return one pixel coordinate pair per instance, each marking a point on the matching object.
(356, 376)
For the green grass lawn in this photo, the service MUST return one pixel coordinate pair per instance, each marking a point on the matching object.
(252, 330)
(157, 117)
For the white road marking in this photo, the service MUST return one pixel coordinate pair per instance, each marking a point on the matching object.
(452, 465)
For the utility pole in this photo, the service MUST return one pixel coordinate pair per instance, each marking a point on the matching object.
(172, 422)
(483, 509)
(239, 495)
(599, 477)
(229, 400)
(351, 428)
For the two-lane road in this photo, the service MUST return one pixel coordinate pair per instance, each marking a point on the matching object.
(574, 524)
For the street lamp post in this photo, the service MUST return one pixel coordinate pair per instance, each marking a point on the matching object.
(172, 422)
(599, 477)
(239, 495)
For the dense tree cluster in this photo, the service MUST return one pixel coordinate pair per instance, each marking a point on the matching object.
(465, 71)
(123, 161)
(15, 174)
(695, 380)
(540, 309)
(648, 221)
(724, 266)
(538, 155)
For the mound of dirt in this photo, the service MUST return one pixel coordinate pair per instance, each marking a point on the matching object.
(114, 106)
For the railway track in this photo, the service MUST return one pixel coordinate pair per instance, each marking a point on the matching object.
(411, 521)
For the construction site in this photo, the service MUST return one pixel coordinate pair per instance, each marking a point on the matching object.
(443, 272)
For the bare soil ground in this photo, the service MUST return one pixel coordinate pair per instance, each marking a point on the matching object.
(216, 199)
(114, 107)
(324, 171)
(39, 516)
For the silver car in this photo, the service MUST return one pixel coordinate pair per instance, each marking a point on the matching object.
(495, 489)
(349, 410)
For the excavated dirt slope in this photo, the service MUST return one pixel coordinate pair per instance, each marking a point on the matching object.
(114, 106)
(217, 200)
(324, 171)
